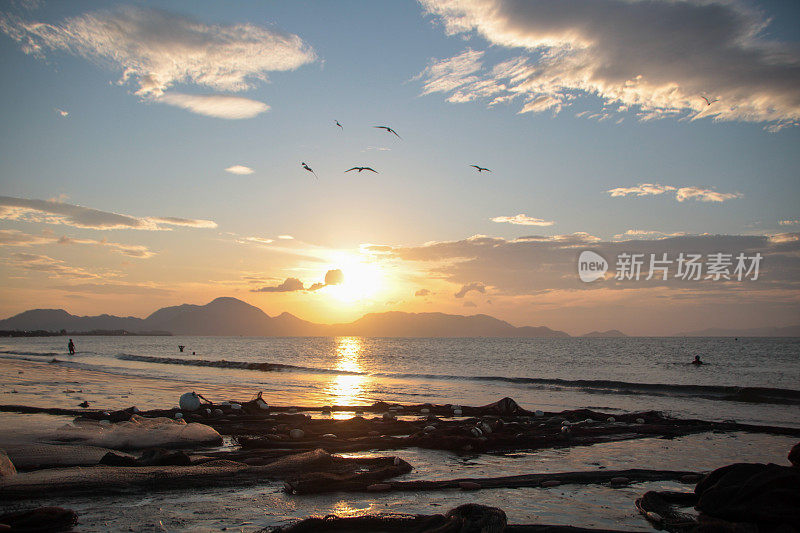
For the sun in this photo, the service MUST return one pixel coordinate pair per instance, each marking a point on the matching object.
(363, 279)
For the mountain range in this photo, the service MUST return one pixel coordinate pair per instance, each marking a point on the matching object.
(230, 316)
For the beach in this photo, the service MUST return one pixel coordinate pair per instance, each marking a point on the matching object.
(551, 375)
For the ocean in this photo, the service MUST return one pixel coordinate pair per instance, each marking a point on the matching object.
(751, 380)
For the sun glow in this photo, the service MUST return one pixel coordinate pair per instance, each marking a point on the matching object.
(348, 389)
(363, 280)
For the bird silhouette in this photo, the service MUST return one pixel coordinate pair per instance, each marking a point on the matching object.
(388, 129)
(309, 169)
(337, 123)
(480, 169)
(363, 168)
(709, 102)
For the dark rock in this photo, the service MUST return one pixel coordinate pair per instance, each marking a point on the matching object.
(43, 519)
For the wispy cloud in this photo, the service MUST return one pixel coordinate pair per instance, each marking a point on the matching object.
(254, 240)
(241, 170)
(55, 212)
(681, 193)
(423, 292)
(655, 58)
(523, 220)
(18, 238)
(55, 268)
(646, 234)
(157, 49)
(643, 189)
(286, 237)
(215, 105)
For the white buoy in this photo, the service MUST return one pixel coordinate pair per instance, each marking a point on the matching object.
(189, 401)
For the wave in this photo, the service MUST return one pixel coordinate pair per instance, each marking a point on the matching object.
(37, 354)
(712, 392)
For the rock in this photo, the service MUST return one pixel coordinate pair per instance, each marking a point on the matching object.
(565, 430)
(640, 420)
(538, 413)
(297, 434)
(236, 407)
(41, 519)
(611, 419)
(83, 404)
(619, 481)
(550, 483)
(397, 461)
(379, 487)
(262, 404)
(457, 412)
(329, 436)
(429, 429)
(476, 432)
(469, 485)
(6, 466)
(794, 455)
(189, 401)
(654, 517)
(217, 412)
(424, 410)
(178, 416)
(691, 478)
(389, 416)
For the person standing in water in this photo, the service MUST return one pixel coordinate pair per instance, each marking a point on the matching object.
(71, 347)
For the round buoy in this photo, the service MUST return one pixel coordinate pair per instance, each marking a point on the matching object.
(189, 401)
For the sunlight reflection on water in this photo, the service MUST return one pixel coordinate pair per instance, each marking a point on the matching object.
(347, 389)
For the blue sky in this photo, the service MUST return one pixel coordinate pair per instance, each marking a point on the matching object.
(121, 152)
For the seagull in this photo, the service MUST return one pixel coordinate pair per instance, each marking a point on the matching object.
(480, 169)
(388, 129)
(363, 168)
(309, 169)
(337, 123)
(709, 102)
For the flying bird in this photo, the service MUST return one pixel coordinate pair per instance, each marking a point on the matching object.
(337, 123)
(309, 169)
(363, 168)
(388, 129)
(709, 102)
(480, 169)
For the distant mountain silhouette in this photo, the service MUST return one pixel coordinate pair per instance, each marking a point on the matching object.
(786, 331)
(230, 316)
(605, 334)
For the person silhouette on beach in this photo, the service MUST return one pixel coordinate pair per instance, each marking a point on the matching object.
(697, 360)
(71, 347)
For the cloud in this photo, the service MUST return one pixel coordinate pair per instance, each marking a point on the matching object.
(131, 250)
(55, 268)
(216, 105)
(536, 265)
(646, 234)
(55, 212)
(12, 237)
(470, 304)
(334, 277)
(789, 222)
(474, 286)
(157, 49)
(643, 189)
(112, 288)
(422, 292)
(239, 169)
(704, 195)
(62, 113)
(523, 220)
(681, 194)
(254, 240)
(656, 58)
(286, 237)
(288, 285)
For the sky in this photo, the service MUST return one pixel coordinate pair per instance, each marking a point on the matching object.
(150, 155)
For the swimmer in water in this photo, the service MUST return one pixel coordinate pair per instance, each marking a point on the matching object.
(697, 360)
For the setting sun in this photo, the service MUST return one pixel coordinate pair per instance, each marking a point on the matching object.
(363, 280)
